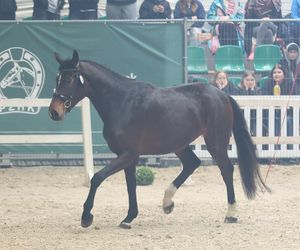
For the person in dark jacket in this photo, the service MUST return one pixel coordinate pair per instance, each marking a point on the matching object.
(83, 9)
(8, 9)
(155, 9)
(248, 85)
(190, 9)
(258, 9)
(121, 9)
(222, 82)
(47, 9)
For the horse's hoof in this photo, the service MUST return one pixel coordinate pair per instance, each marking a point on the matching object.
(169, 208)
(125, 225)
(86, 220)
(230, 219)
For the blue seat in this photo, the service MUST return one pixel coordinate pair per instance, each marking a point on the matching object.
(266, 56)
(197, 63)
(235, 80)
(230, 58)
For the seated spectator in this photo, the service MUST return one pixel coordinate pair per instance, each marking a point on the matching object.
(259, 9)
(279, 78)
(155, 9)
(248, 85)
(47, 9)
(8, 9)
(221, 82)
(191, 9)
(291, 62)
(83, 9)
(121, 9)
(265, 33)
(229, 33)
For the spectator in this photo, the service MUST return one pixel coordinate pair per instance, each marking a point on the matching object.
(155, 9)
(279, 77)
(229, 33)
(190, 9)
(265, 33)
(8, 9)
(121, 9)
(83, 9)
(47, 9)
(291, 62)
(295, 26)
(248, 85)
(221, 81)
(258, 9)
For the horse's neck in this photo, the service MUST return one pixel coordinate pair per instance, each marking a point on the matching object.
(105, 89)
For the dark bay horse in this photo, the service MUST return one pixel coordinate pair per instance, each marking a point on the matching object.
(142, 119)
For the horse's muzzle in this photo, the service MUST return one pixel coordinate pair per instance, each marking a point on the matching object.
(54, 115)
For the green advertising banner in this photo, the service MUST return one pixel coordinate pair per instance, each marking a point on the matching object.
(151, 52)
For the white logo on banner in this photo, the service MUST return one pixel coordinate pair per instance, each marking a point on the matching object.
(22, 75)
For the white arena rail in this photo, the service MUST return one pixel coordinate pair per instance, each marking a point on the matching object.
(273, 104)
(85, 137)
(248, 103)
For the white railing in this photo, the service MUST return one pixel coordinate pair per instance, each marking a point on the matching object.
(248, 103)
(85, 138)
(273, 104)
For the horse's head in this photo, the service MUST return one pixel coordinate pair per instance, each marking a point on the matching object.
(69, 87)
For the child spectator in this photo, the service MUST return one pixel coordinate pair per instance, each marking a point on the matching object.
(221, 82)
(191, 9)
(8, 9)
(229, 33)
(248, 85)
(83, 9)
(155, 9)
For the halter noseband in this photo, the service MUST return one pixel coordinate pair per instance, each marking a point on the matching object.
(67, 100)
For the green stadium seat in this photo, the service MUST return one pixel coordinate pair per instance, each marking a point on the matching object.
(197, 63)
(262, 81)
(266, 56)
(199, 79)
(230, 58)
(235, 80)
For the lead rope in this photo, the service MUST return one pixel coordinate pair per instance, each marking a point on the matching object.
(284, 116)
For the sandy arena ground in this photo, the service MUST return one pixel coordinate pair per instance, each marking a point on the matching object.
(40, 208)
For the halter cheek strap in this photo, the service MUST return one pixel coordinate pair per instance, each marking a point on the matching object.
(67, 100)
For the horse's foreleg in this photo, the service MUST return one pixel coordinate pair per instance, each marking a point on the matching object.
(131, 189)
(189, 162)
(123, 161)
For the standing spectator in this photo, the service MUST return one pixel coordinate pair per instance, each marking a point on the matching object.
(258, 9)
(83, 9)
(8, 9)
(155, 9)
(190, 9)
(248, 85)
(291, 62)
(121, 9)
(221, 82)
(295, 27)
(229, 33)
(47, 9)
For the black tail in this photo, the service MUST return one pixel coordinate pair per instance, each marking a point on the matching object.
(248, 162)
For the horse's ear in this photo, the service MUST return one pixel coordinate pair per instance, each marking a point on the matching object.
(58, 58)
(75, 58)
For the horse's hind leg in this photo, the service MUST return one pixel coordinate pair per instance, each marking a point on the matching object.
(131, 189)
(218, 151)
(189, 162)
